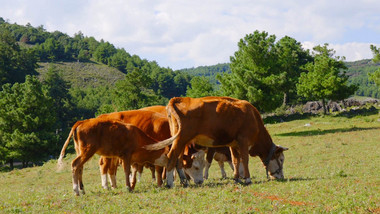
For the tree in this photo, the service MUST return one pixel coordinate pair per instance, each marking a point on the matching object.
(326, 78)
(375, 77)
(255, 72)
(15, 62)
(135, 92)
(103, 52)
(292, 58)
(200, 87)
(58, 90)
(119, 60)
(26, 121)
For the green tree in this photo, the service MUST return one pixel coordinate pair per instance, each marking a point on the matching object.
(119, 60)
(103, 52)
(326, 78)
(26, 121)
(135, 92)
(200, 87)
(58, 90)
(292, 57)
(255, 72)
(375, 77)
(15, 62)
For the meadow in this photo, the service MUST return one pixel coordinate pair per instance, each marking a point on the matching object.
(332, 166)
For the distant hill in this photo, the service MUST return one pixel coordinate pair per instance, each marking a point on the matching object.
(209, 71)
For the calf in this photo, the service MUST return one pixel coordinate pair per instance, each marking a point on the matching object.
(221, 155)
(110, 138)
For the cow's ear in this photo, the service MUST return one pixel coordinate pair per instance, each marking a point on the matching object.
(281, 149)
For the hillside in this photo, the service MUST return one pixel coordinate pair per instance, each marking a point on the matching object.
(81, 74)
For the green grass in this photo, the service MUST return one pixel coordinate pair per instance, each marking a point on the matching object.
(332, 166)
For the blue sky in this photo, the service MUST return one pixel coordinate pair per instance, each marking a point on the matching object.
(183, 34)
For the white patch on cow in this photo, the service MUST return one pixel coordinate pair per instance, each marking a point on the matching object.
(104, 181)
(161, 161)
(273, 167)
(196, 170)
(76, 188)
(170, 178)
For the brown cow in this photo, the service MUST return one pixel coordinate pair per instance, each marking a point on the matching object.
(110, 138)
(153, 121)
(218, 122)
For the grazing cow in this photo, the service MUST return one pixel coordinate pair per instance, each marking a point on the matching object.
(218, 122)
(110, 138)
(221, 155)
(154, 123)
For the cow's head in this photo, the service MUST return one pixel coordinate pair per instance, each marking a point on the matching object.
(275, 165)
(194, 164)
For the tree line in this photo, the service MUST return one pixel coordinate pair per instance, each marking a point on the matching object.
(37, 111)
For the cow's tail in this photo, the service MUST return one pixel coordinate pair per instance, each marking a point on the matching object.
(60, 159)
(171, 112)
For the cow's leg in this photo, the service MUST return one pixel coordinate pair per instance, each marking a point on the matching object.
(159, 173)
(77, 171)
(221, 166)
(209, 157)
(127, 170)
(103, 171)
(244, 159)
(231, 165)
(207, 167)
(114, 163)
(181, 173)
(152, 170)
(177, 148)
(235, 161)
(81, 186)
(135, 169)
(139, 169)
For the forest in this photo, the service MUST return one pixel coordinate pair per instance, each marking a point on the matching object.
(49, 80)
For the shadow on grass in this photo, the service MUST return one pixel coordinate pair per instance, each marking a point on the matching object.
(323, 132)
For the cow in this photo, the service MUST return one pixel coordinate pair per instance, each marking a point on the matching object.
(220, 122)
(221, 155)
(110, 138)
(153, 121)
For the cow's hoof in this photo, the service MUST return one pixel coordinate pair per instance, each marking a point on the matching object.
(248, 181)
(237, 181)
(168, 186)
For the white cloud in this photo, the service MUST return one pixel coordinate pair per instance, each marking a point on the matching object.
(180, 33)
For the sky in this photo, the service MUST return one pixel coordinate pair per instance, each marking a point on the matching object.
(190, 33)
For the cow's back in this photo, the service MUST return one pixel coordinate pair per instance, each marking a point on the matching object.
(223, 119)
(152, 123)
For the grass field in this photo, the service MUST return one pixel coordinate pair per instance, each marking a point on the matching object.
(332, 166)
